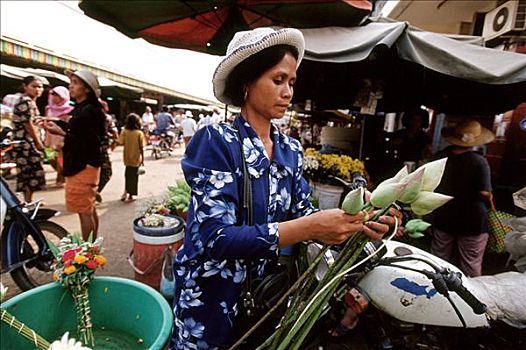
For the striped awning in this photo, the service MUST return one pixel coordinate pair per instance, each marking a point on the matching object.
(12, 47)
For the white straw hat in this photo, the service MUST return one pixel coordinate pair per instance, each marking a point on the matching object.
(468, 133)
(90, 79)
(247, 43)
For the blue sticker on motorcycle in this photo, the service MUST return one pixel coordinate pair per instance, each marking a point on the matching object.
(413, 288)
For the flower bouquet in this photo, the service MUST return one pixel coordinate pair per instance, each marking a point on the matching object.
(76, 263)
(412, 191)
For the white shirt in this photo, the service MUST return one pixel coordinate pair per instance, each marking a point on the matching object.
(189, 127)
(147, 119)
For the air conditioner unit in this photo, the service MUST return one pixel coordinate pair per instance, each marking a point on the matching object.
(508, 17)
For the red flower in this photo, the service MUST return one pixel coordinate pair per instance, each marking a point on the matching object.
(67, 263)
(68, 255)
(88, 255)
(92, 264)
(95, 248)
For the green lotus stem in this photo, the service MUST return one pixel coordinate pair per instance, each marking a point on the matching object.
(315, 307)
(297, 328)
(300, 306)
(323, 293)
(292, 312)
(315, 315)
(84, 325)
(300, 280)
(24, 330)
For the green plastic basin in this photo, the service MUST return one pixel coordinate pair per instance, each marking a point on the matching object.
(126, 315)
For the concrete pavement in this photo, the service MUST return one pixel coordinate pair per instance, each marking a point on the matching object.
(115, 216)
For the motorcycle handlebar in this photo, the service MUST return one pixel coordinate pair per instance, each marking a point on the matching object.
(444, 280)
(454, 283)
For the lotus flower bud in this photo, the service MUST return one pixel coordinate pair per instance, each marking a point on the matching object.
(353, 201)
(3, 291)
(414, 183)
(426, 202)
(433, 174)
(402, 173)
(386, 195)
(416, 226)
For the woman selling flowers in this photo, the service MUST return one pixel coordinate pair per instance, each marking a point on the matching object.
(257, 74)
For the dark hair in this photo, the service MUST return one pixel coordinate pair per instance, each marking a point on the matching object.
(133, 122)
(28, 80)
(424, 117)
(252, 68)
(165, 109)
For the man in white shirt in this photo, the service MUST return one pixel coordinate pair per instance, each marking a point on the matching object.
(189, 127)
(148, 123)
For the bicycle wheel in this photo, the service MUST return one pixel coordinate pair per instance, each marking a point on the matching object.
(39, 272)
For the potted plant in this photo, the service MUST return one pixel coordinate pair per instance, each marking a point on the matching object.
(164, 215)
(179, 198)
(320, 169)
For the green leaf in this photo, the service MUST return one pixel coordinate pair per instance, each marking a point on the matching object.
(54, 249)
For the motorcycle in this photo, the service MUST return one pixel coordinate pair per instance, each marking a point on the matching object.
(163, 142)
(411, 299)
(26, 229)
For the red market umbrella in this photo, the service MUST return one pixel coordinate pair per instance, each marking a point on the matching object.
(208, 26)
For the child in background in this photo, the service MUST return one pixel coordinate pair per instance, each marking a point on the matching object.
(132, 138)
(58, 107)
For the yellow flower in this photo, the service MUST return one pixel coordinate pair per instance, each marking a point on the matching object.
(69, 270)
(100, 259)
(331, 164)
(55, 276)
(80, 259)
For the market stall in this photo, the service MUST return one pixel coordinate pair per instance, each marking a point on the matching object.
(401, 66)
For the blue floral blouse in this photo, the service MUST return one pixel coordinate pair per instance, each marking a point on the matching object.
(210, 267)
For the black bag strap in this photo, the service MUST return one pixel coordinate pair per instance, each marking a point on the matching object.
(248, 298)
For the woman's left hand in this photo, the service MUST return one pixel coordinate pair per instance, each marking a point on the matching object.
(376, 230)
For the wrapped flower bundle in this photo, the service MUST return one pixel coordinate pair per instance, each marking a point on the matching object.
(22, 329)
(76, 263)
(413, 191)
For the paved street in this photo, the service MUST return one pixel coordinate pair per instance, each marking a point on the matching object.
(115, 216)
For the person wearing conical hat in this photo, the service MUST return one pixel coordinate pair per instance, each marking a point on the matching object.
(82, 149)
(462, 223)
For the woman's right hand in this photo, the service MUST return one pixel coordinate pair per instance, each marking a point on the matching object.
(334, 226)
(52, 128)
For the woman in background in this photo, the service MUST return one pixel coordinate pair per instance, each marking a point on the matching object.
(82, 149)
(462, 223)
(132, 138)
(30, 174)
(58, 108)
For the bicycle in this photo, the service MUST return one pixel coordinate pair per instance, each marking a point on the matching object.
(25, 229)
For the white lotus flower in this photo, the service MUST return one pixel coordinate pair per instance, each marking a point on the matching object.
(433, 174)
(385, 195)
(426, 202)
(353, 201)
(414, 183)
(67, 344)
(402, 173)
(3, 291)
